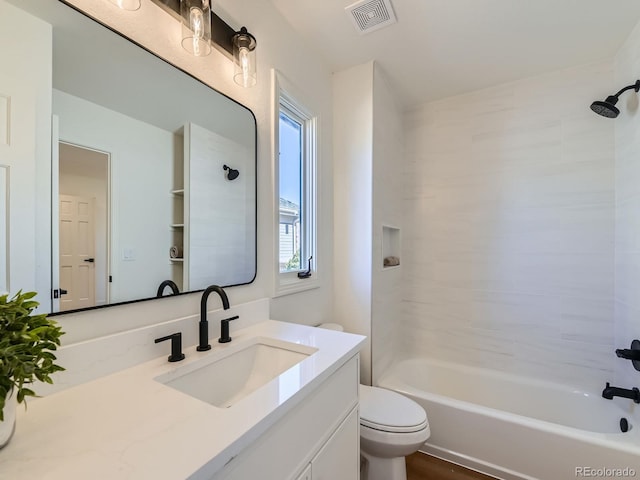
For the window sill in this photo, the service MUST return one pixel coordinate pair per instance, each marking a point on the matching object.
(295, 285)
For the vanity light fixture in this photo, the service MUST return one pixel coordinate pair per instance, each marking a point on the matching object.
(198, 35)
(196, 29)
(130, 5)
(244, 57)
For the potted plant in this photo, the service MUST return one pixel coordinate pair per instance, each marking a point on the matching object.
(26, 345)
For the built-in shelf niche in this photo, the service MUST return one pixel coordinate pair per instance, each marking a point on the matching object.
(390, 247)
(178, 216)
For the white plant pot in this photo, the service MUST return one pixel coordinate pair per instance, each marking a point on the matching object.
(8, 425)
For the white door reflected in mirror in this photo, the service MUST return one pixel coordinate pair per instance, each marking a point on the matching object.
(83, 245)
(77, 252)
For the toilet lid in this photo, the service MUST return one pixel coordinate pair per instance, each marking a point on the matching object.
(389, 411)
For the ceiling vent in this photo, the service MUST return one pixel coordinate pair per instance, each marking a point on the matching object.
(370, 15)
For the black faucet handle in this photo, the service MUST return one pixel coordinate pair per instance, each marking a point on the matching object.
(628, 354)
(176, 346)
(224, 329)
(632, 354)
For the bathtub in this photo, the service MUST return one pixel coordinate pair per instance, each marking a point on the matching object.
(511, 428)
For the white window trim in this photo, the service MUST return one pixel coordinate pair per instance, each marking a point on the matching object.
(288, 283)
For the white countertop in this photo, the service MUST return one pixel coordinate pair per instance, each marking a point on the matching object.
(129, 426)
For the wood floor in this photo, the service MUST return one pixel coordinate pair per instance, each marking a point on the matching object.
(426, 467)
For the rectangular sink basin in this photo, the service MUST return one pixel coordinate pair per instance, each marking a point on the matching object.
(223, 381)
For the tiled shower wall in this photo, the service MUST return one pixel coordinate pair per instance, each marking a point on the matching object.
(386, 286)
(509, 228)
(627, 138)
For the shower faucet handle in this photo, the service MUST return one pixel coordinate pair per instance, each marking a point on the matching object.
(632, 354)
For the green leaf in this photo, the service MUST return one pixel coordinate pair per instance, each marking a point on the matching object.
(27, 341)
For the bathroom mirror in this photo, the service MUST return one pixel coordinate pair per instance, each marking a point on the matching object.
(154, 173)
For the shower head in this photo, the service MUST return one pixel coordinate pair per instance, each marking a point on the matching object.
(232, 173)
(608, 108)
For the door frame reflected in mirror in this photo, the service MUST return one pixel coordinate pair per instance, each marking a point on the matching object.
(83, 276)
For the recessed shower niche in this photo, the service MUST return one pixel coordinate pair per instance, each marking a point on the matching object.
(390, 247)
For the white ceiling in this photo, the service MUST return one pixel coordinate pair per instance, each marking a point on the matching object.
(441, 48)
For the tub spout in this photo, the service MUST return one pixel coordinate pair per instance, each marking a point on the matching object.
(609, 392)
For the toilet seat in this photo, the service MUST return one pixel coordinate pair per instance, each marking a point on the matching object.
(388, 411)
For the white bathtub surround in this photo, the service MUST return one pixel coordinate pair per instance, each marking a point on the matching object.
(368, 149)
(130, 426)
(388, 150)
(514, 428)
(352, 152)
(627, 241)
(509, 221)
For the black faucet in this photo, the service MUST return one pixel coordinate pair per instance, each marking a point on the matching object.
(203, 324)
(609, 392)
(168, 283)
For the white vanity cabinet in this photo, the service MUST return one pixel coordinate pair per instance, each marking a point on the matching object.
(303, 423)
(318, 439)
(335, 461)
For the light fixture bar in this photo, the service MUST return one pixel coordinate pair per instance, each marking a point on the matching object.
(197, 35)
(221, 33)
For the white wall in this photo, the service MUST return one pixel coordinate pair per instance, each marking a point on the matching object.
(627, 241)
(353, 209)
(509, 228)
(141, 179)
(388, 155)
(368, 152)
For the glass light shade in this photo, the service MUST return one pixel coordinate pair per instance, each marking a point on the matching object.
(127, 4)
(196, 26)
(244, 58)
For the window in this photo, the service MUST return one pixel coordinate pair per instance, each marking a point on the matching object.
(295, 192)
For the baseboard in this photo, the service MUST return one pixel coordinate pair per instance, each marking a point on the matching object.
(474, 464)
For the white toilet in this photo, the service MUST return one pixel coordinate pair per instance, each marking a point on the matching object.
(391, 427)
